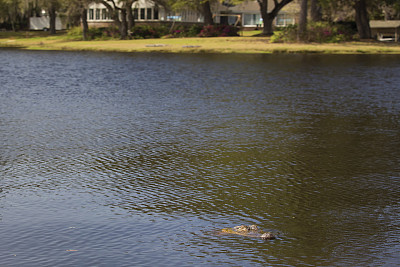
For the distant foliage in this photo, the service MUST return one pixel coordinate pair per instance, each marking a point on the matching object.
(219, 31)
(194, 30)
(285, 34)
(180, 31)
(184, 31)
(319, 32)
(108, 33)
(95, 33)
(148, 32)
(75, 32)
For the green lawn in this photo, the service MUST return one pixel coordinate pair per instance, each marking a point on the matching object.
(247, 43)
(249, 33)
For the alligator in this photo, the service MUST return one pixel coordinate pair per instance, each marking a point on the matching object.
(250, 231)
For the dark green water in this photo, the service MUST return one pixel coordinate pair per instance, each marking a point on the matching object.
(137, 159)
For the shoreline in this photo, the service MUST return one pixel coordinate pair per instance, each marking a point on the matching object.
(220, 45)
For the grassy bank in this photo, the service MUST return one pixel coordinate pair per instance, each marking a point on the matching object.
(243, 44)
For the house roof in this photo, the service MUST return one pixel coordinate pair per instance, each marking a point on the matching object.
(384, 23)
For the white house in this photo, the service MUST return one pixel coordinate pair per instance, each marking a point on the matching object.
(144, 11)
(247, 14)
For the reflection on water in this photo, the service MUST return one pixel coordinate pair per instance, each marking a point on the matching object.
(114, 159)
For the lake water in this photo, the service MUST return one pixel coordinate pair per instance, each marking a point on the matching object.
(114, 159)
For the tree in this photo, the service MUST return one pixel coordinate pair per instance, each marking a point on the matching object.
(206, 10)
(361, 10)
(362, 19)
(302, 20)
(77, 13)
(315, 10)
(123, 9)
(85, 26)
(52, 7)
(14, 14)
(394, 7)
(201, 6)
(344, 9)
(268, 17)
(129, 16)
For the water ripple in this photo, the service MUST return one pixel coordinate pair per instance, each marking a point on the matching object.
(140, 159)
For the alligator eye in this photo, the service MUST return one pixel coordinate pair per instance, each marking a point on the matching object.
(253, 227)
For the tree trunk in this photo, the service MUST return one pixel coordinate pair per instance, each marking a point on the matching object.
(268, 17)
(37, 9)
(12, 13)
(85, 26)
(302, 28)
(386, 13)
(208, 17)
(362, 19)
(130, 17)
(315, 11)
(268, 28)
(13, 26)
(124, 25)
(52, 15)
(264, 15)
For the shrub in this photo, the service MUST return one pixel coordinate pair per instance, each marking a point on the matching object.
(285, 35)
(320, 32)
(184, 31)
(179, 31)
(147, 32)
(324, 32)
(194, 30)
(218, 31)
(95, 33)
(75, 32)
(110, 32)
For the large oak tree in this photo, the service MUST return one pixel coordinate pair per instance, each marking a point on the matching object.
(268, 17)
(362, 18)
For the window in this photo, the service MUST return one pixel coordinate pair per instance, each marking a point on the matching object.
(252, 19)
(172, 16)
(232, 20)
(104, 14)
(97, 14)
(91, 17)
(142, 13)
(149, 13)
(135, 13)
(155, 14)
(284, 20)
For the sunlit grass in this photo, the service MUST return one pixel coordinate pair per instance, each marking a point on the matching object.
(244, 44)
(249, 33)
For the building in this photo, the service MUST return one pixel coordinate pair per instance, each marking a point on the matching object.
(144, 11)
(249, 14)
(246, 14)
(385, 30)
